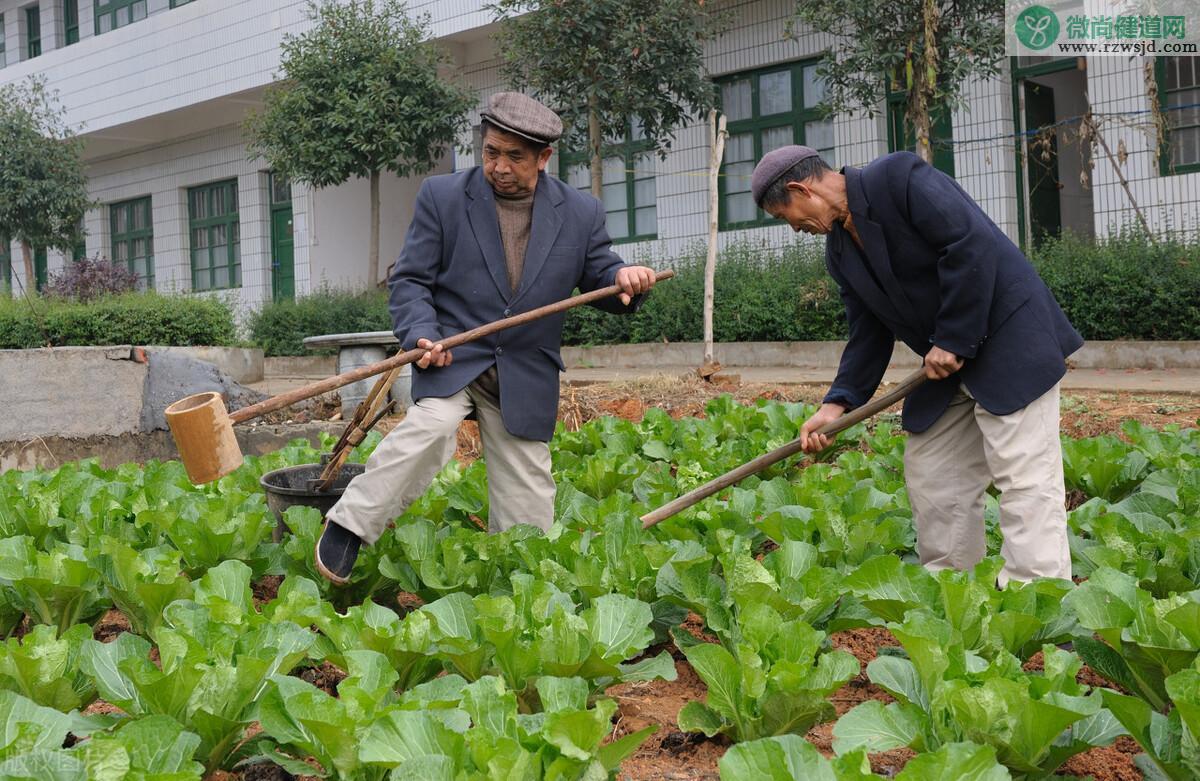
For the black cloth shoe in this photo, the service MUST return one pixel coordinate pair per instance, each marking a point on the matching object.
(336, 551)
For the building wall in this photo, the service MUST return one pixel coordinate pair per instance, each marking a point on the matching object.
(140, 89)
(1170, 203)
(176, 57)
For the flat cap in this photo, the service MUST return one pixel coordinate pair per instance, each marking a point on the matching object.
(524, 116)
(775, 164)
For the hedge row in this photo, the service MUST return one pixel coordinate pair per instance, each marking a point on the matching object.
(1122, 288)
(281, 327)
(131, 318)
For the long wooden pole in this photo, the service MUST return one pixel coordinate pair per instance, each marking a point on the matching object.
(906, 386)
(409, 356)
(716, 153)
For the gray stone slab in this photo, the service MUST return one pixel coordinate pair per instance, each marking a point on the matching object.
(173, 375)
(71, 392)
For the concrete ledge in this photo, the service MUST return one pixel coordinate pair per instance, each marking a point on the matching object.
(1137, 355)
(77, 392)
(242, 364)
(301, 366)
(51, 452)
(71, 392)
(824, 355)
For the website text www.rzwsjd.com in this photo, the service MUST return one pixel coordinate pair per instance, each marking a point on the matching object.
(1127, 47)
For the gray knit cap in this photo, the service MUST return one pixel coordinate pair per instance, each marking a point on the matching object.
(774, 165)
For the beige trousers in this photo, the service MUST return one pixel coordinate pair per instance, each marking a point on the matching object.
(949, 466)
(520, 485)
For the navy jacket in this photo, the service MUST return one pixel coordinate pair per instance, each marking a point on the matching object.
(451, 277)
(939, 272)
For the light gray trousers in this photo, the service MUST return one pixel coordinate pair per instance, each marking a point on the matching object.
(949, 466)
(520, 485)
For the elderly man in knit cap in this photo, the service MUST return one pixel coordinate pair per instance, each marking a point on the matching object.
(916, 259)
(486, 243)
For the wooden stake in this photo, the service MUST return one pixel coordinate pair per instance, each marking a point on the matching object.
(717, 136)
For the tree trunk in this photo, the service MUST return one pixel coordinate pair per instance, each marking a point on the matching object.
(373, 257)
(30, 280)
(594, 140)
(717, 151)
(926, 83)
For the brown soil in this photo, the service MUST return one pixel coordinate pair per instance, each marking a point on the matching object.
(864, 645)
(324, 407)
(1086, 675)
(1108, 763)
(1085, 413)
(694, 625)
(668, 753)
(325, 677)
(110, 625)
(102, 708)
(409, 602)
(266, 589)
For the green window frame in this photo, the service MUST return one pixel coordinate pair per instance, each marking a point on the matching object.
(901, 137)
(111, 14)
(5, 266)
(765, 109)
(3, 49)
(132, 228)
(70, 22)
(177, 3)
(33, 31)
(214, 233)
(629, 184)
(1179, 85)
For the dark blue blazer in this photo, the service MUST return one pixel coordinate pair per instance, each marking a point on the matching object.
(939, 272)
(451, 277)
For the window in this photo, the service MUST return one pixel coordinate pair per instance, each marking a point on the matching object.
(5, 266)
(33, 32)
(71, 21)
(901, 136)
(133, 238)
(1179, 86)
(767, 109)
(281, 190)
(111, 14)
(213, 227)
(3, 53)
(177, 3)
(630, 195)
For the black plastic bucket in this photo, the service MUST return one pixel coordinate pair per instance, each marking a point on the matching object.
(288, 487)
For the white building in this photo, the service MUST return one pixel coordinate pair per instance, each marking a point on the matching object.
(160, 89)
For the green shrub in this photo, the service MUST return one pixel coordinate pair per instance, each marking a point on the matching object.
(131, 318)
(281, 327)
(1125, 287)
(1121, 288)
(762, 294)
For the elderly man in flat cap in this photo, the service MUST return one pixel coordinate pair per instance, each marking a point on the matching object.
(484, 244)
(916, 259)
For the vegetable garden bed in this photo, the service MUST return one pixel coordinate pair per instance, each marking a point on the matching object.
(779, 630)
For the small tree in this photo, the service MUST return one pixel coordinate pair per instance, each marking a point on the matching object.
(43, 188)
(602, 62)
(360, 95)
(931, 48)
